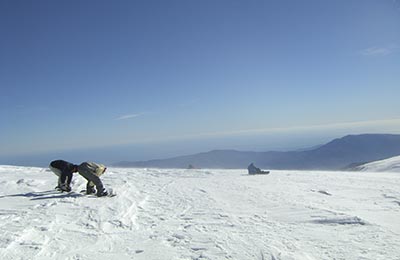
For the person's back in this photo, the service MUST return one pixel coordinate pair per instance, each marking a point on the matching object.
(95, 168)
(253, 169)
(63, 165)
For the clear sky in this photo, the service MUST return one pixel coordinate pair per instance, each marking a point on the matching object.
(256, 75)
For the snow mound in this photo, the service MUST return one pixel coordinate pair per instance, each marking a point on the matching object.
(388, 165)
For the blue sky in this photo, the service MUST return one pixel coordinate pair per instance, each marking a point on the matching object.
(183, 76)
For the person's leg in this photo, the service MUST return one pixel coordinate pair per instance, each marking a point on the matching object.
(58, 173)
(90, 188)
(66, 179)
(90, 177)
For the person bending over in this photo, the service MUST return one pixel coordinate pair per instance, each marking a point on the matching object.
(91, 172)
(64, 171)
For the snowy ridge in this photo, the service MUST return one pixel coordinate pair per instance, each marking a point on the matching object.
(388, 165)
(201, 214)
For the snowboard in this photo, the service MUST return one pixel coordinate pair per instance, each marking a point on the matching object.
(111, 193)
(260, 173)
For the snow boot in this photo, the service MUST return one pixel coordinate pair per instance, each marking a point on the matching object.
(65, 187)
(90, 190)
(102, 193)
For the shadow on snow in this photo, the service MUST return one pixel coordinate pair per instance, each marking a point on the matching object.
(42, 195)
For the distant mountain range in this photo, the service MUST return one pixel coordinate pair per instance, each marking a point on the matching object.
(335, 155)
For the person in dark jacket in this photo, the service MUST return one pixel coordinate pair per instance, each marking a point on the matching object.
(64, 171)
(254, 170)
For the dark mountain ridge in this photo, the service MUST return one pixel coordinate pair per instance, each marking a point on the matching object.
(334, 155)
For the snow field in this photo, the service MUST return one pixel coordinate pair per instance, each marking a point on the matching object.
(201, 214)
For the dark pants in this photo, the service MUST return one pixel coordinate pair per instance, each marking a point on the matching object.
(92, 179)
(63, 177)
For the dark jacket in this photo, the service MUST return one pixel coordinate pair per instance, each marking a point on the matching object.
(253, 169)
(66, 169)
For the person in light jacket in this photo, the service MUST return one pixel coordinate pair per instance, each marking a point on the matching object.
(91, 172)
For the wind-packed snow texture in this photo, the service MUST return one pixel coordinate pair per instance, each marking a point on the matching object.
(201, 214)
(388, 165)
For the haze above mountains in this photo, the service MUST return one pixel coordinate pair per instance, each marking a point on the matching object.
(340, 153)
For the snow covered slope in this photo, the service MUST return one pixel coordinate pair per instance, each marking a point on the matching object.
(387, 165)
(201, 214)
